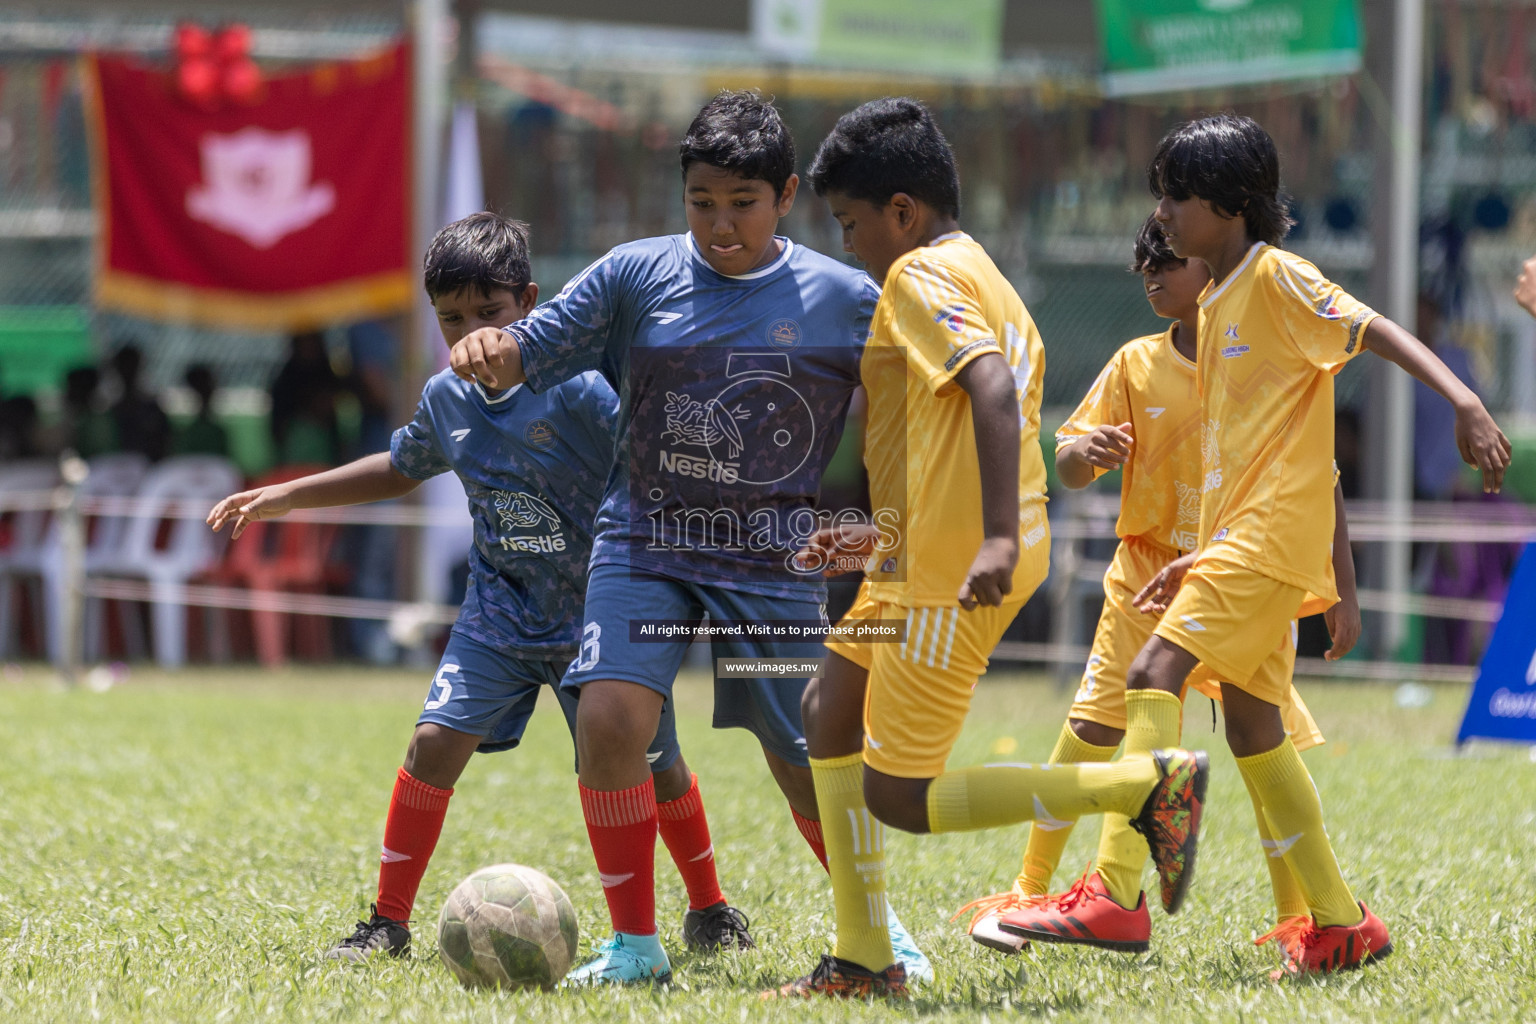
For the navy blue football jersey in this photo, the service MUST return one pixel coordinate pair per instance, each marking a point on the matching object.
(733, 392)
(533, 467)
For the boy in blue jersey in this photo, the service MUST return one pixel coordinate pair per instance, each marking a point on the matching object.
(533, 467)
(735, 353)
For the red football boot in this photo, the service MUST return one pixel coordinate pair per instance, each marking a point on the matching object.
(1314, 950)
(1084, 915)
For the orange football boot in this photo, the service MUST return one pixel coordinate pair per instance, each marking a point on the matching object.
(1084, 915)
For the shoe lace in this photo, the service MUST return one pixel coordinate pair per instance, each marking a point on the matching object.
(725, 923)
(1078, 892)
(825, 971)
(1293, 934)
(998, 903)
(362, 937)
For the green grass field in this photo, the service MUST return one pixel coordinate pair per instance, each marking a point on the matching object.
(181, 848)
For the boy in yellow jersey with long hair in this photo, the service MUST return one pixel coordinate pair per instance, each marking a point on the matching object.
(1141, 416)
(953, 369)
(1273, 332)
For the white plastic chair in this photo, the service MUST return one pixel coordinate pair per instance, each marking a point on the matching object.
(117, 474)
(189, 484)
(22, 557)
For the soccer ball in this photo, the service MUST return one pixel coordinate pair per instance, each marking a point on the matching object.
(507, 926)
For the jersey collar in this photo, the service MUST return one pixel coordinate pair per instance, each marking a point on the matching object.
(1178, 357)
(488, 400)
(752, 275)
(1215, 294)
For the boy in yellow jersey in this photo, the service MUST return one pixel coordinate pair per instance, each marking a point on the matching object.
(1273, 332)
(1141, 416)
(953, 370)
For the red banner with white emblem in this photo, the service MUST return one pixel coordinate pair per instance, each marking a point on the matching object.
(288, 211)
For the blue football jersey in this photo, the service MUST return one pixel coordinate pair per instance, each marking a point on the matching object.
(533, 467)
(732, 394)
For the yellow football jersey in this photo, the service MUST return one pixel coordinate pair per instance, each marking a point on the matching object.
(1149, 385)
(943, 305)
(1272, 336)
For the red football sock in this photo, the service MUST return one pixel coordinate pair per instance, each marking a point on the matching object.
(685, 831)
(416, 812)
(812, 832)
(622, 827)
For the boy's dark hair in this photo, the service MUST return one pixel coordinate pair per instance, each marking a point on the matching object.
(1229, 161)
(743, 133)
(1152, 251)
(887, 146)
(484, 251)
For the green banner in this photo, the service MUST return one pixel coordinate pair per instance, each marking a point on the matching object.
(922, 36)
(1166, 45)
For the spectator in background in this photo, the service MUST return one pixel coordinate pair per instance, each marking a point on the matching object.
(1525, 286)
(371, 548)
(202, 435)
(18, 428)
(84, 427)
(142, 426)
(375, 363)
(304, 426)
(1437, 465)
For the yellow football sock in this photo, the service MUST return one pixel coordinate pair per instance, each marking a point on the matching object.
(1153, 720)
(1290, 901)
(1043, 851)
(1003, 794)
(855, 860)
(1295, 816)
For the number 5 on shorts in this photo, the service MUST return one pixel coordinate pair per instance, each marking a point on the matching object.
(591, 648)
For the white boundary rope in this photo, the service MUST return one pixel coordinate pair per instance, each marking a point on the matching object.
(1091, 517)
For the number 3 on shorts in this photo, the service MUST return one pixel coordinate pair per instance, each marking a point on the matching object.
(591, 648)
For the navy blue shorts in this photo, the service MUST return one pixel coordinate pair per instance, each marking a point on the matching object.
(484, 692)
(769, 708)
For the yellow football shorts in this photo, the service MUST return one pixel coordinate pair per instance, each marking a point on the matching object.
(919, 691)
(1123, 631)
(1240, 624)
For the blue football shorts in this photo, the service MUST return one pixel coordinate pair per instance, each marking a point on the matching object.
(485, 692)
(769, 708)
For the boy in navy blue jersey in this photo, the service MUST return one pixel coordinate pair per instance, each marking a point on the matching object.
(533, 467)
(735, 353)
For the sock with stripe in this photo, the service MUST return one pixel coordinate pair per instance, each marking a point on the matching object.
(987, 796)
(1295, 815)
(811, 830)
(622, 827)
(685, 831)
(416, 813)
(855, 860)
(1290, 901)
(1043, 851)
(1153, 720)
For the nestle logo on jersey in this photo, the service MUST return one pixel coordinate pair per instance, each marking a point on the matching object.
(699, 467)
(518, 510)
(952, 317)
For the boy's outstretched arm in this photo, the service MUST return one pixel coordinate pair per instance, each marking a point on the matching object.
(1103, 448)
(371, 478)
(995, 418)
(1479, 439)
(489, 355)
(1343, 619)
